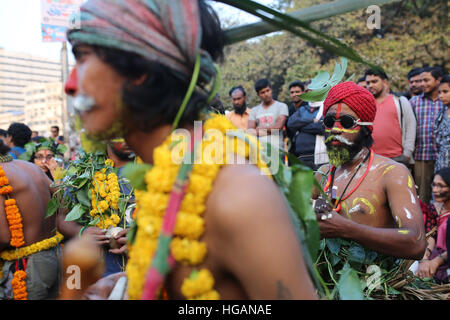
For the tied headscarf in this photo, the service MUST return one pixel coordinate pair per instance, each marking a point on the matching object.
(164, 31)
(357, 98)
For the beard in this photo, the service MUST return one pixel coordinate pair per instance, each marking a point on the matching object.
(240, 110)
(339, 155)
(123, 155)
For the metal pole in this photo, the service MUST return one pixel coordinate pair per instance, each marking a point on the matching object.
(64, 105)
(310, 14)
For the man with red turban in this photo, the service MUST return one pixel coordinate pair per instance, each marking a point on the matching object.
(374, 199)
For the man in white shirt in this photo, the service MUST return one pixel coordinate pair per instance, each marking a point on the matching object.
(267, 119)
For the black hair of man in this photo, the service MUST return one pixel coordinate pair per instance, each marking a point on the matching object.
(4, 149)
(3, 133)
(445, 79)
(239, 87)
(414, 72)
(157, 99)
(371, 72)
(20, 134)
(361, 79)
(297, 83)
(436, 72)
(55, 127)
(261, 84)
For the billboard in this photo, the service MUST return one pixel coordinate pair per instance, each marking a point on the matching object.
(56, 17)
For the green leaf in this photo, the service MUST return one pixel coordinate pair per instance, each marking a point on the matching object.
(356, 253)
(83, 197)
(76, 213)
(334, 245)
(349, 284)
(334, 259)
(94, 222)
(135, 173)
(131, 235)
(52, 207)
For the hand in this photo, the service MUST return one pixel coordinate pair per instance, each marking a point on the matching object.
(427, 268)
(97, 235)
(316, 120)
(331, 224)
(103, 287)
(51, 165)
(121, 240)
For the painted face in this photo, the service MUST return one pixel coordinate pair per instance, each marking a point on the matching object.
(362, 84)
(440, 189)
(375, 85)
(266, 95)
(342, 144)
(101, 83)
(444, 93)
(415, 85)
(121, 149)
(429, 83)
(238, 99)
(294, 92)
(42, 158)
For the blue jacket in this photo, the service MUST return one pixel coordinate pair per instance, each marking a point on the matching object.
(302, 123)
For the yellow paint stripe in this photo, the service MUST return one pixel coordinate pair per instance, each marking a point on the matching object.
(388, 169)
(366, 202)
(345, 209)
(410, 183)
(403, 231)
(342, 130)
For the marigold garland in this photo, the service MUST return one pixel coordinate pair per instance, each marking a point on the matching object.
(14, 219)
(189, 227)
(105, 193)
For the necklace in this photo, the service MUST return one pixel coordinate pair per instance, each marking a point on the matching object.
(337, 203)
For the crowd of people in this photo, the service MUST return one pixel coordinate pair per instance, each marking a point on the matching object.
(188, 231)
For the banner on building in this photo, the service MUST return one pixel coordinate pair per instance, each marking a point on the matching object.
(57, 16)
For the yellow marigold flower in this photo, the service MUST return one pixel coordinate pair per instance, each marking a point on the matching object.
(198, 284)
(115, 219)
(109, 162)
(93, 213)
(103, 206)
(219, 122)
(103, 170)
(210, 295)
(155, 203)
(161, 179)
(188, 251)
(189, 225)
(193, 204)
(150, 225)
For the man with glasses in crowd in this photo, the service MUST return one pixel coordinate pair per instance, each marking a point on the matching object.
(374, 198)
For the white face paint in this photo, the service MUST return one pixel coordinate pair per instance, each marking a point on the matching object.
(343, 140)
(355, 209)
(413, 199)
(408, 214)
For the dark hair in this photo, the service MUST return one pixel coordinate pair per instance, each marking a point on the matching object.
(4, 149)
(216, 105)
(445, 79)
(37, 139)
(20, 134)
(414, 72)
(445, 175)
(368, 139)
(158, 98)
(361, 79)
(371, 72)
(261, 84)
(297, 83)
(239, 87)
(54, 127)
(436, 72)
(3, 133)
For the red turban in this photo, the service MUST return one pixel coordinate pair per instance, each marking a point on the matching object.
(360, 100)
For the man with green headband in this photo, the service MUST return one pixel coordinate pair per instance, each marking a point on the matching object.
(135, 61)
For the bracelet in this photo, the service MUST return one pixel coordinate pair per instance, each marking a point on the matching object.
(81, 231)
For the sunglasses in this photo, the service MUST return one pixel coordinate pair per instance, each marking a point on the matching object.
(347, 121)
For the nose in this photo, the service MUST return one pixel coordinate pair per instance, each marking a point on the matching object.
(71, 86)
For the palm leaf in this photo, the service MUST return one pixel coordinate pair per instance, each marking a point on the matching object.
(293, 25)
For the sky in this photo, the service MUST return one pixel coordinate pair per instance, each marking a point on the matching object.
(20, 22)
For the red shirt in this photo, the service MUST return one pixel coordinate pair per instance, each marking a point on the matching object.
(387, 134)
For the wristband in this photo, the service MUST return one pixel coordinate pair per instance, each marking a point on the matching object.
(81, 231)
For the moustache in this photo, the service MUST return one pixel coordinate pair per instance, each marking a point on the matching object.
(340, 139)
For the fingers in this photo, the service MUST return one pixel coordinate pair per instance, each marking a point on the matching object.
(121, 250)
(122, 233)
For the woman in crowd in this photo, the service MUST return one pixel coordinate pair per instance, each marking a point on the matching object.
(44, 152)
(434, 263)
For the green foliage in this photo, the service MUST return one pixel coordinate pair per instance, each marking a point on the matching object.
(413, 34)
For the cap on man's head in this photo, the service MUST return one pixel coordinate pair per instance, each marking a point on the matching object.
(360, 100)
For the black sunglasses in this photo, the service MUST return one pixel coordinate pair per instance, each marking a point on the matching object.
(347, 121)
